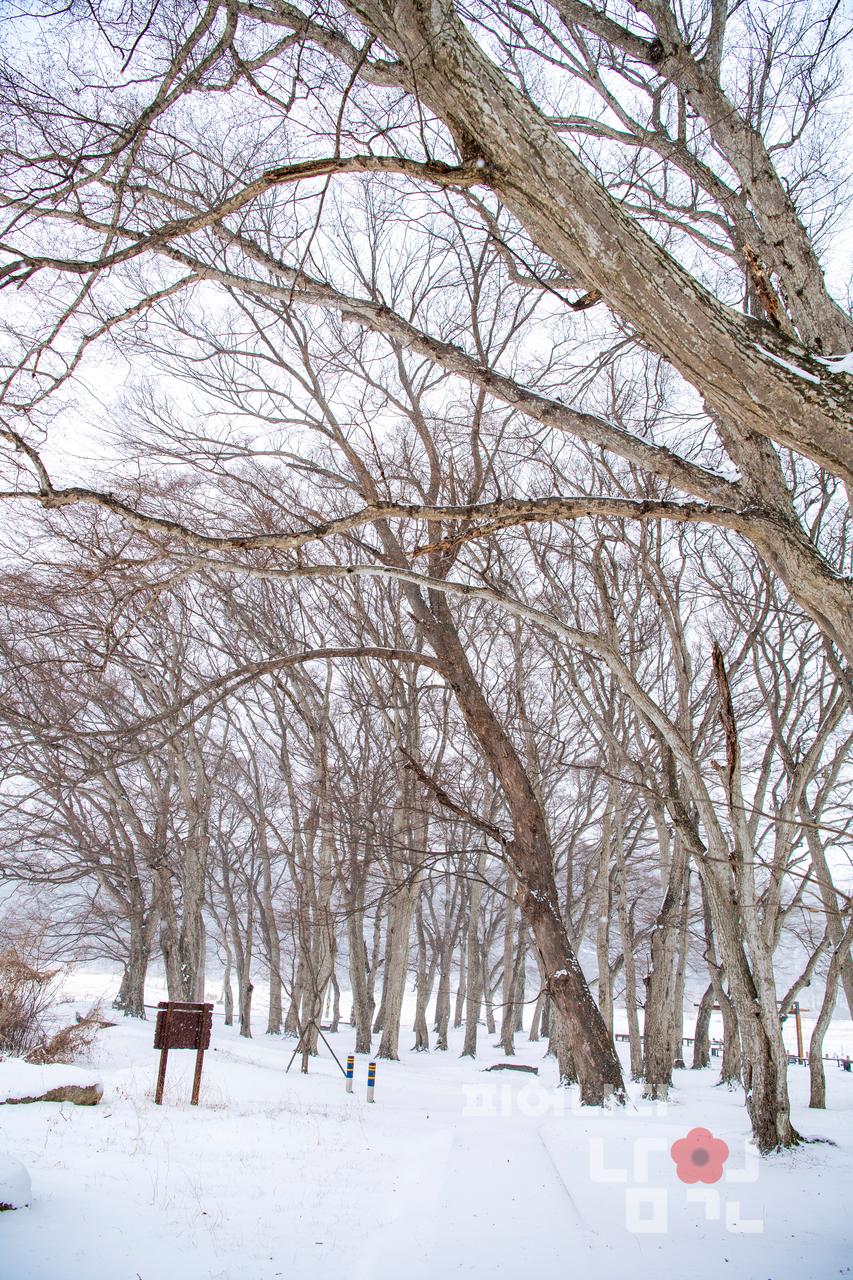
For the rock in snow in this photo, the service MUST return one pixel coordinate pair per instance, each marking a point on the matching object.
(15, 1187)
(22, 1082)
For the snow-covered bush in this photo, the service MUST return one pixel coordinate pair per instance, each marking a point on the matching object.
(15, 1186)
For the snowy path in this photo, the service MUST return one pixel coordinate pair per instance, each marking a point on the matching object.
(478, 1191)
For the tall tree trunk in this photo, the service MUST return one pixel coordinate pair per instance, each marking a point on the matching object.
(272, 947)
(423, 987)
(362, 996)
(829, 896)
(730, 1069)
(227, 989)
(293, 1019)
(536, 1020)
(764, 1063)
(702, 1036)
(520, 977)
(246, 990)
(507, 986)
(131, 993)
(604, 989)
(514, 992)
(560, 1046)
(627, 934)
(442, 999)
(473, 979)
(169, 934)
(728, 878)
(680, 978)
(383, 913)
(661, 985)
(461, 990)
(531, 857)
(840, 953)
(336, 1002)
(488, 993)
(396, 967)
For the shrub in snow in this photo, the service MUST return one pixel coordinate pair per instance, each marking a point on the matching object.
(15, 1186)
(27, 991)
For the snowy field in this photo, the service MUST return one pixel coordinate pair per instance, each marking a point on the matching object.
(453, 1172)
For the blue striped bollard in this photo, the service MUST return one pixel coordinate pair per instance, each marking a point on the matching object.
(371, 1081)
(350, 1072)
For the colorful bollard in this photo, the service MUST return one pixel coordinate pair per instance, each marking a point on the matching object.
(371, 1080)
(350, 1072)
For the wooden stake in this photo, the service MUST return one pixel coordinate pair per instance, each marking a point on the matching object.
(164, 1055)
(298, 1046)
(199, 1059)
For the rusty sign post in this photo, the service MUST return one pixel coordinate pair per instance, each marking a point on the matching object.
(181, 1024)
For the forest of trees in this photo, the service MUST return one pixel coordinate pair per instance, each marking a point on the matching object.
(428, 523)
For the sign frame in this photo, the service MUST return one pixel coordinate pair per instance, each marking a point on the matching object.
(182, 1024)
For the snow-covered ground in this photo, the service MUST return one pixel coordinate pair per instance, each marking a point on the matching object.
(453, 1172)
(24, 1080)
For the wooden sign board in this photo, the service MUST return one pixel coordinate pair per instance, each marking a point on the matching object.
(182, 1024)
(187, 1026)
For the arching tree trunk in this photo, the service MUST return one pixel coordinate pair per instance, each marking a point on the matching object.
(531, 857)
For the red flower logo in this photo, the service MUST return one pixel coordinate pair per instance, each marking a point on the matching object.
(699, 1157)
